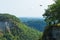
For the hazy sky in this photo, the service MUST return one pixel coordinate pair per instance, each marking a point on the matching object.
(24, 8)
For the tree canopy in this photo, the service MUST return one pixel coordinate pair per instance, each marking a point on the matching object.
(16, 30)
(52, 14)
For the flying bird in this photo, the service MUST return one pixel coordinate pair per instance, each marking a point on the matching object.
(40, 5)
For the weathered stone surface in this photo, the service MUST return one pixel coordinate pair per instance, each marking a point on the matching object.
(5, 25)
(51, 33)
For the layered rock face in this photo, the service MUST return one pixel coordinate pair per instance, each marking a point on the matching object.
(5, 25)
(2, 25)
(51, 33)
(7, 22)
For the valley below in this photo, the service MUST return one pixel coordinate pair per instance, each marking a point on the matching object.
(35, 23)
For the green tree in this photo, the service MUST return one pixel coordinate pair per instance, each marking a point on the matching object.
(52, 14)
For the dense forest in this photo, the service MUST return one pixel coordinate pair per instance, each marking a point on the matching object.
(11, 28)
(35, 23)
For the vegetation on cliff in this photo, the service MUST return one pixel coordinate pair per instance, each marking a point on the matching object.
(52, 14)
(52, 18)
(15, 30)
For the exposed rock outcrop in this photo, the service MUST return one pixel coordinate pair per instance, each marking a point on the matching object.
(5, 25)
(52, 33)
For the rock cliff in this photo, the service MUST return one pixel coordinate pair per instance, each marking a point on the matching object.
(52, 33)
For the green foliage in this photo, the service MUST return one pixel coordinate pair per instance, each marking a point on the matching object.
(52, 17)
(6, 17)
(18, 31)
(52, 14)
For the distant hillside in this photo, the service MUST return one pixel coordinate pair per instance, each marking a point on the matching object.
(36, 23)
(11, 28)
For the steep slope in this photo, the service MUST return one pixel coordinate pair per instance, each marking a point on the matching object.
(12, 29)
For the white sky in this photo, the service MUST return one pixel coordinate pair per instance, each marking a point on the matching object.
(24, 8)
